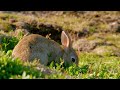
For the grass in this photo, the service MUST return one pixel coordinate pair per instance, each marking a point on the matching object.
(15, 69)
(101, 67)
(91, 65)
(9, 43)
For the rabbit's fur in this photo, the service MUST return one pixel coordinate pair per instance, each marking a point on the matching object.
(35, 46)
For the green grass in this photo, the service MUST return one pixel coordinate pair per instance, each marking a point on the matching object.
(8, 43)
(15, 69)
(91, 65)
(100, 67)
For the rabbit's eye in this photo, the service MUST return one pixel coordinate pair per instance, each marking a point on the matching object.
(73, 59)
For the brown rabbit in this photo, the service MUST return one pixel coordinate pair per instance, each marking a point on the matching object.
(35, 46)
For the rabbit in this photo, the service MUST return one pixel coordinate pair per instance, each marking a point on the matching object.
(35, 46)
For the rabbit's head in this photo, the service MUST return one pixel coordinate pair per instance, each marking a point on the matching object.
(69, 55)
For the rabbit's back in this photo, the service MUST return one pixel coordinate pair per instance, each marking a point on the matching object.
(37, 47)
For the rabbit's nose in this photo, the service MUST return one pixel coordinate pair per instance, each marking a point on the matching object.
(73, 59)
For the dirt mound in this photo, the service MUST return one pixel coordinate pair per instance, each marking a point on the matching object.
(47, 30)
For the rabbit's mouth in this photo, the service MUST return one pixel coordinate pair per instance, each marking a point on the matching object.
(66, 64)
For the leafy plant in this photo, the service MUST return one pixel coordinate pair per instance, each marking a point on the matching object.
(15, 68)
(9, 43)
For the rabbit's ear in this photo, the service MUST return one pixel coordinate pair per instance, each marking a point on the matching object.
(65, 39)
